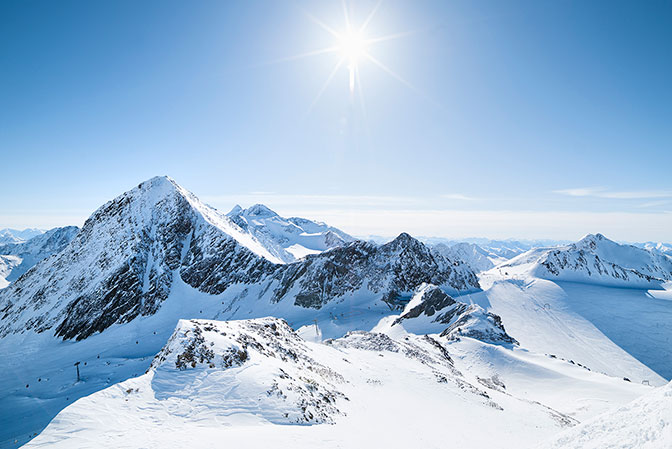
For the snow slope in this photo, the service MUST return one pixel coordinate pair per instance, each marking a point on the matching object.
(18, 257)
(644, 423)
(242, 382)
(288, 239)
(621, 331)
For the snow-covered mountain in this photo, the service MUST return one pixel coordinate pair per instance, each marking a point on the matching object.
(597, 260)
(665, 248)
(18, 236)
(394, 331)
(130, 252)
(155, 255)
(243, 381)
(431, 310)
(122, 263)
(288, 239)
(17, 258)
(475, 256)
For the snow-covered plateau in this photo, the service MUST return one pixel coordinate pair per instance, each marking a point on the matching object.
(165, 323)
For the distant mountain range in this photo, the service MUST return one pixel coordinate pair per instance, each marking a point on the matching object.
(17, 257)
(287, 239)
(131, 252)
(249, 317)
(18, 236)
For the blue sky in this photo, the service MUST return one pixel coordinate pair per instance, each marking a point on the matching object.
(528, 119)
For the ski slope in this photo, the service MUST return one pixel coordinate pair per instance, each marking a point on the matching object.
(368, 390)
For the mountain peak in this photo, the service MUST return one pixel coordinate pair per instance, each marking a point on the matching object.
(260, 210)
(593, 238)
(159, 183)
(237, 210)
(404, 240)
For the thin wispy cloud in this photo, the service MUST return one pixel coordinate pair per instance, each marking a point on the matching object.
(457, 196)
(658, 203)
(570, 225)
(600, 192)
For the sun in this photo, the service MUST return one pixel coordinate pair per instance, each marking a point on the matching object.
(352, 46)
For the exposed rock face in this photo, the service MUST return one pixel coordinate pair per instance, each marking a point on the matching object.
(474, 322)
(390, 270)
(433, 305)
(124, 262)
(432, 300)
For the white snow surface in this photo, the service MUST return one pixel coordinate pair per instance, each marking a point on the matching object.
(288, 239)
(621, 331)
(644, 423)
(346, 393)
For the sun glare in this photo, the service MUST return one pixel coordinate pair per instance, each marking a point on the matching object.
(352, 46)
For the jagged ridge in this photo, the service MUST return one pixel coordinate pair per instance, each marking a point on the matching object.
(124, 261)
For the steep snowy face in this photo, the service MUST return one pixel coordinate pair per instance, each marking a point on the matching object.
(390, 272)
(473, 255)
(122, 263)
(288, 239)
(18, 236)
(433, 311)
(596, 259)
(17, 258)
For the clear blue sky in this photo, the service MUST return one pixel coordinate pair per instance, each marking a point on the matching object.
(505, 119)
